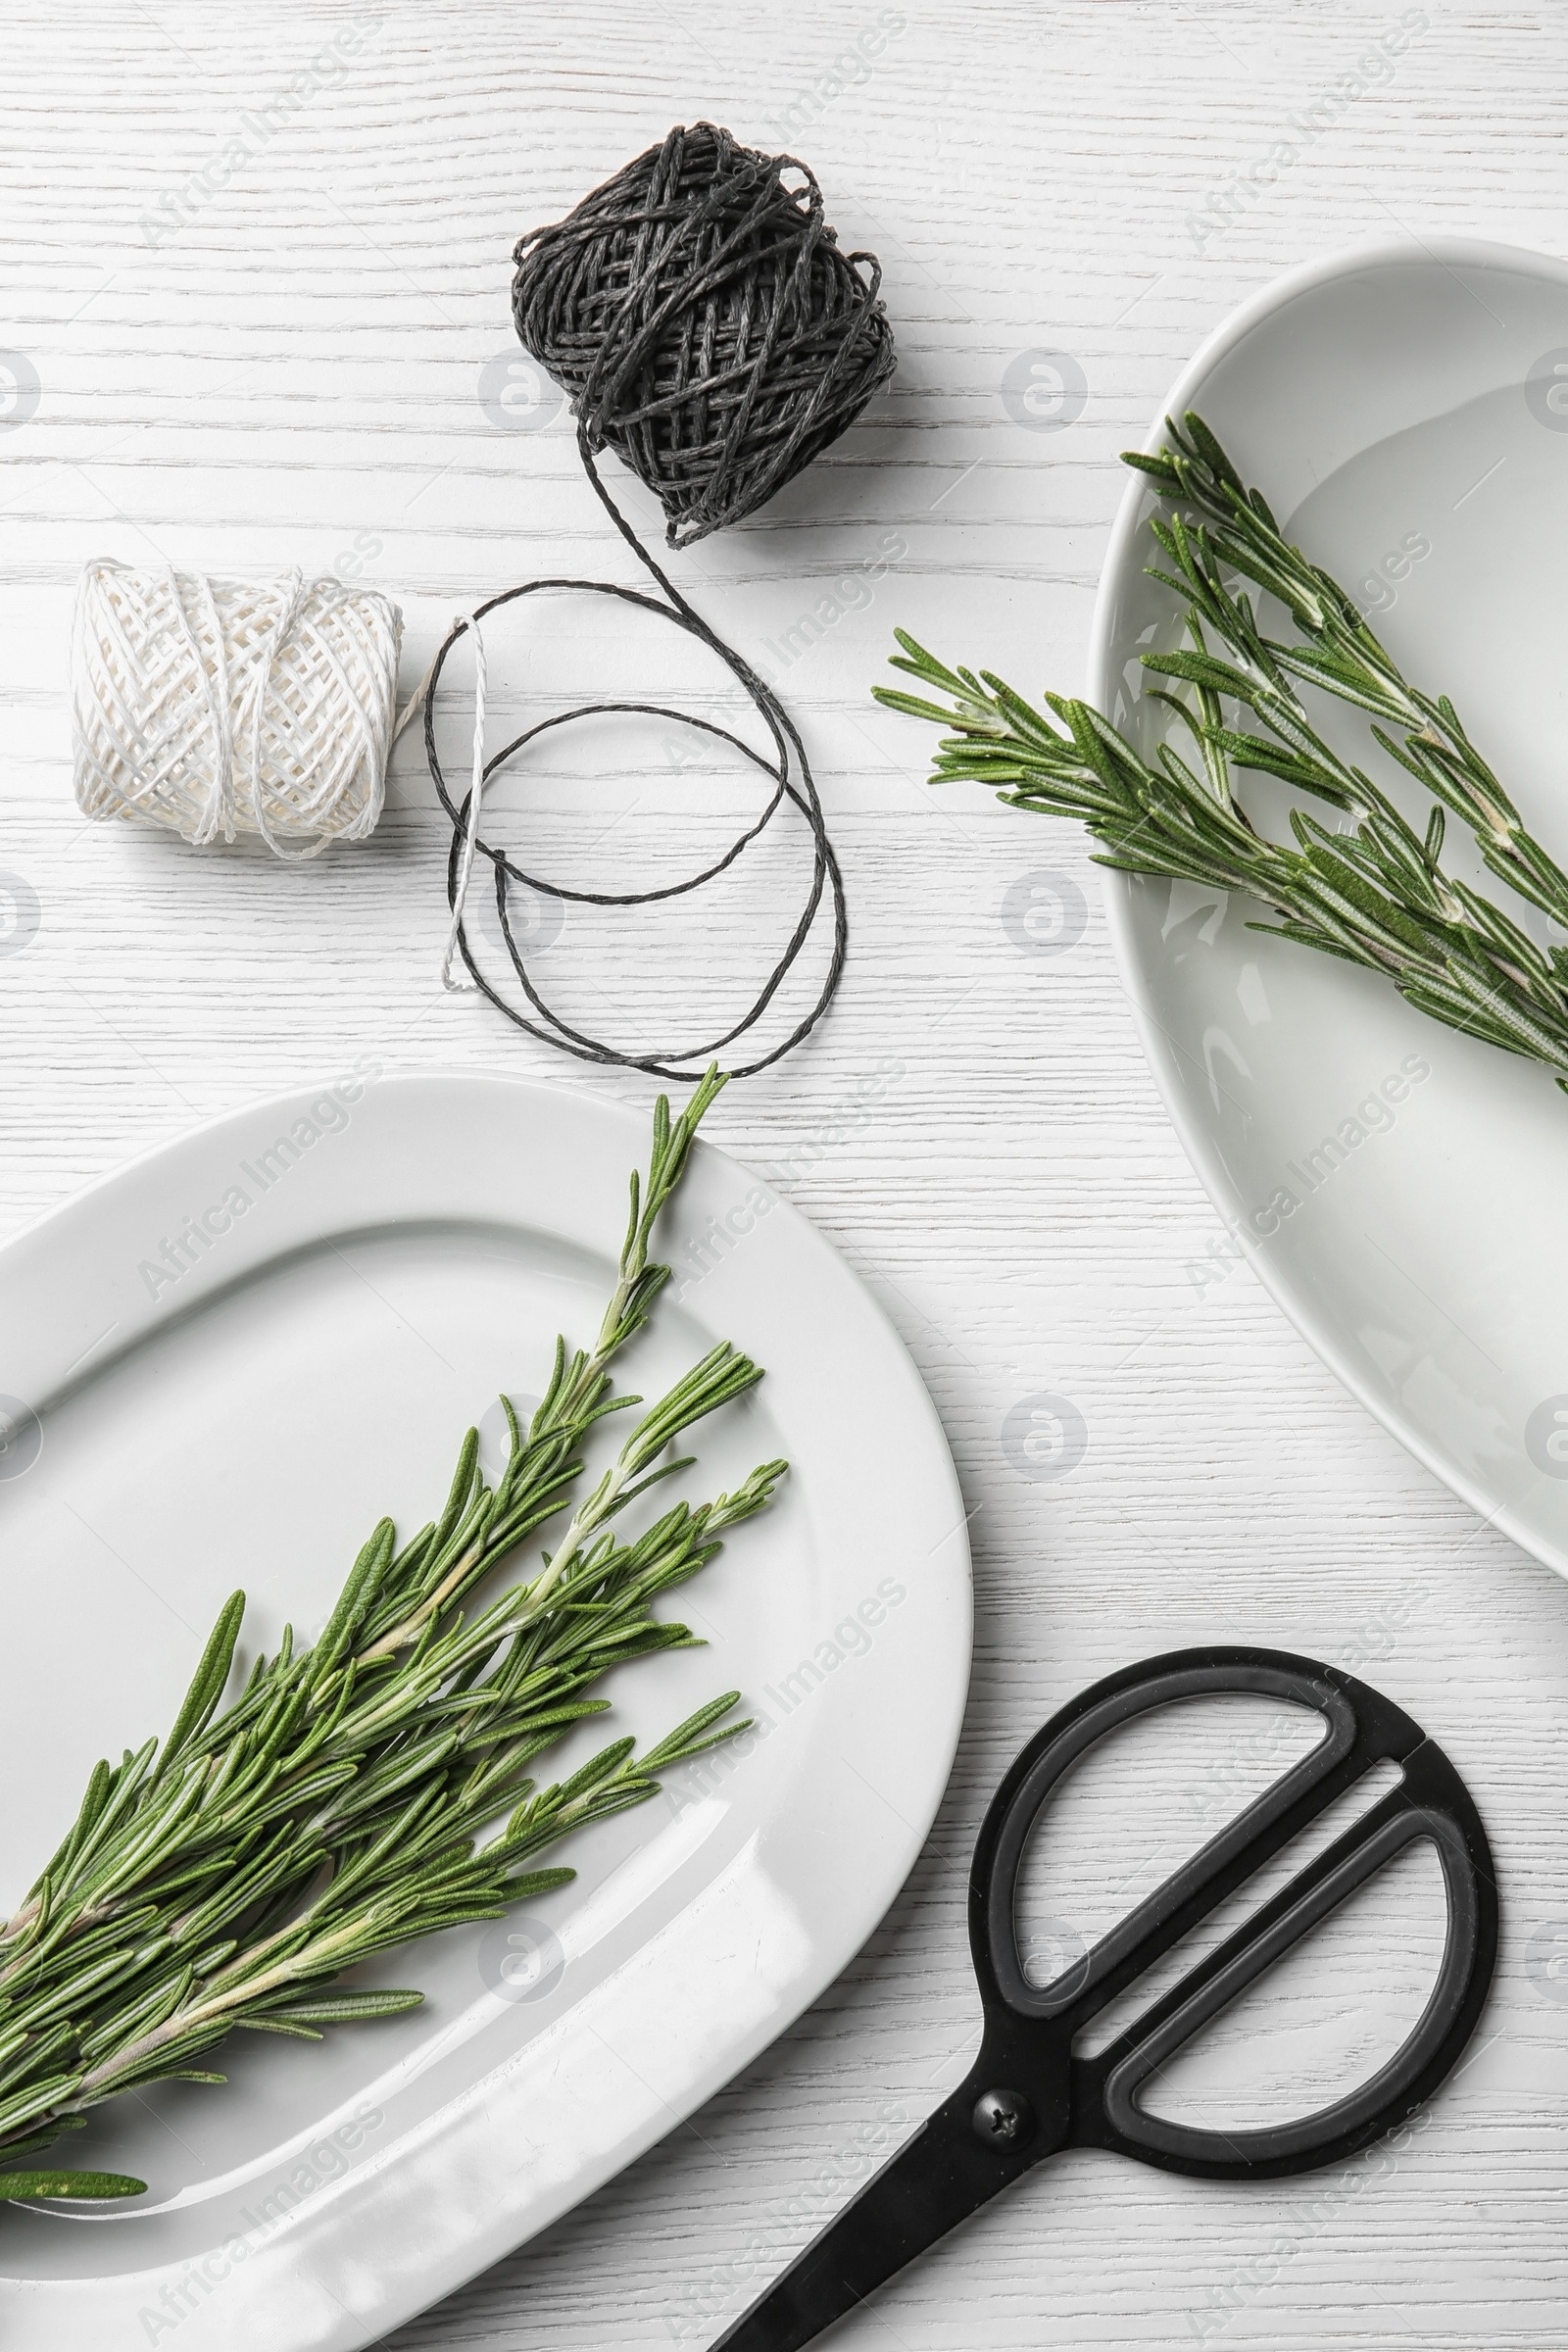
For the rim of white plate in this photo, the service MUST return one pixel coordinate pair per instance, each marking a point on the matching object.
(1117, 889)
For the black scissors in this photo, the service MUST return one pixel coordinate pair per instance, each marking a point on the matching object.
(1028, 2096)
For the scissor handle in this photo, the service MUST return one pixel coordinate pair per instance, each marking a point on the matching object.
(1027, 2095)
(1096, 2101)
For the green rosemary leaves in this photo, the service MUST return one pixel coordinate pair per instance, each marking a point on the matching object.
(339, 1805)
(1374, 891)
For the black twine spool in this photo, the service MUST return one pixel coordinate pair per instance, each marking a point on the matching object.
(707, 329)
(705, 324)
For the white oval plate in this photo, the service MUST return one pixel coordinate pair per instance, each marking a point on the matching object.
(1399, 1187)
(381, 1260)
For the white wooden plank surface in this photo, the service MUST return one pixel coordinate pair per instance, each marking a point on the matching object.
(286, 369)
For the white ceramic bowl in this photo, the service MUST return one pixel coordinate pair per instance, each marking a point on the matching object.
(1401, 1188)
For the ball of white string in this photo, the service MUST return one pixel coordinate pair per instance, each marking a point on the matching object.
(221, 707)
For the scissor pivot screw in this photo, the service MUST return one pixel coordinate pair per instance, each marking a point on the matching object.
(1003, 2119)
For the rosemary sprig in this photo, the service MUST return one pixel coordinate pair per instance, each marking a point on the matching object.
(1377, 895)
(335, 1809)
(1339, 652)
(445, 1559)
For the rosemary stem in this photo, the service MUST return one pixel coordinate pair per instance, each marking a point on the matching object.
(346, 1801)
(1375, 894)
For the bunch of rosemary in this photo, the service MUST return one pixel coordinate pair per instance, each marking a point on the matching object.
(336, 1808)
(1375, 892)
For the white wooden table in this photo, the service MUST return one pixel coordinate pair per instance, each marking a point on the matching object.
(259, 309)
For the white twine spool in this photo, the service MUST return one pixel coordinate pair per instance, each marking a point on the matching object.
(226, 706)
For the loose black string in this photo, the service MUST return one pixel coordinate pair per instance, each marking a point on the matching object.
(801, 794)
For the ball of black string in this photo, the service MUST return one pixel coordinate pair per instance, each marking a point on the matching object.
(701, 315)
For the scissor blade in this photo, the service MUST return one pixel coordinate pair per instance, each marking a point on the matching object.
(936, 2181)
